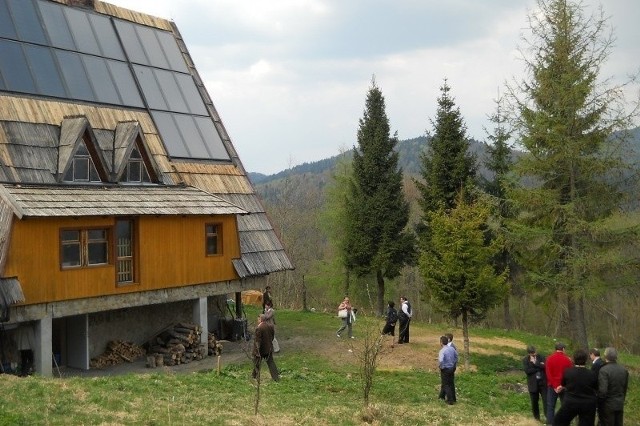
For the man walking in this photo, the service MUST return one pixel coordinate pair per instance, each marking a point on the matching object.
(263, 349)
(613, 381)
(404, 319)
(556, 364)
(447, 361)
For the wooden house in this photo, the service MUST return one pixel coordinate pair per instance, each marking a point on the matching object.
(123, 204)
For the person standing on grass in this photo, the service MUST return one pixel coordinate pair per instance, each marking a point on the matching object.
(596, 364)
(271, 320)
(579, 386)
(263, 349)
(447, 360)
(404, 318)
(556, 364)
(613, 381)
(266, 298)
(391, 318)
(347, 320)
(533, 365)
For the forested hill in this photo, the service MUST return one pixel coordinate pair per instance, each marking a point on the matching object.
(409, 160)
(409, 151)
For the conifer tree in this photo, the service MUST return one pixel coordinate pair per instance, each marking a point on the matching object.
(458, 270)
(447, 164)
(499, 163)
(569, 228)
(447, 169)
(376, 237)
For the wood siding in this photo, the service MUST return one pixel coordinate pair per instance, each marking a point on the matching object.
(169, 252)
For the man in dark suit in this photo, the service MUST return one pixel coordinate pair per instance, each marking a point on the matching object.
(533, 365)
(613, 382)
(263, 349)
(596, 363)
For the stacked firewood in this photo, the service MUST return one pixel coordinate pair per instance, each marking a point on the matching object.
(117, 352)
(180, 344)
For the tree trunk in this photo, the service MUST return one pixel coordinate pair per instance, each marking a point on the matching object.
(578, 326)
(465, 338)
(304, 295)
(347, 277)
(380, 297)
(507, 313)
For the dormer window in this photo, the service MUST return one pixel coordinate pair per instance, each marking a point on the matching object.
(82, 168)
(135, 171)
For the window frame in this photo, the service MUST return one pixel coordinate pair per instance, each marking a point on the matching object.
(217, 234)
(131, 258)
(83, 243)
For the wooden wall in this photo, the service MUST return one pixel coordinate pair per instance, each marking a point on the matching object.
(170, 252)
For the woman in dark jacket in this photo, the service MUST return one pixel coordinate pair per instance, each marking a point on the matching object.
(579, 386)
(391, 319)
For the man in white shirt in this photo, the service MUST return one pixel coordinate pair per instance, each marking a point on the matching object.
(404, 318)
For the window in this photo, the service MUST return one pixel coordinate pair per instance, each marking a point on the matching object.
(135, 170)
(124, 251)
(84, 247)
(213, 239)
(82, 168)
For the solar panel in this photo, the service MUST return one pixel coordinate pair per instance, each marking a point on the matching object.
(50, 49)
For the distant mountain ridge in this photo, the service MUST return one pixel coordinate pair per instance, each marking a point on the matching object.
(409, 151)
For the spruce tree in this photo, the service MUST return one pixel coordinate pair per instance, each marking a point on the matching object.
(447, 164)
(376, 237)
(568, 227)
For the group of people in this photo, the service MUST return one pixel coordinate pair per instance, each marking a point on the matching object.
(401, 316)
(583, 392)
(393, 316)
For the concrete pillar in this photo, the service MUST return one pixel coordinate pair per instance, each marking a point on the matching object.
(43, 355)
(201, 318)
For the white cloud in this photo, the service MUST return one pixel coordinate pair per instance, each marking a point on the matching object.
(289, 78)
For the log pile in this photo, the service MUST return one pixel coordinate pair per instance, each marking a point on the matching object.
(117, 352)
(180, 344)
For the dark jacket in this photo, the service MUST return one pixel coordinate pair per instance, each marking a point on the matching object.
(580, 385)
(536, 378)
(613, 381)
(597, 365)
(263, 341)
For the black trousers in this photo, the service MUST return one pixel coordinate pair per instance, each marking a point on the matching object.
(447, 385)
(535, 397)
(584, 410)
(403, 332)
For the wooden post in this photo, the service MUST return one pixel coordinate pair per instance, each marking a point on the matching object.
(219, 364)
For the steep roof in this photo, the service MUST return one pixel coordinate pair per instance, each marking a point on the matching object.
(113, 78)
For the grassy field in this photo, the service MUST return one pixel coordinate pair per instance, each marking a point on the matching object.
(320, 385)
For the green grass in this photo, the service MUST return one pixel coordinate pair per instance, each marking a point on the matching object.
(315, 389)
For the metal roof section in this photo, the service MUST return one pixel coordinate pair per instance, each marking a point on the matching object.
(74, 201)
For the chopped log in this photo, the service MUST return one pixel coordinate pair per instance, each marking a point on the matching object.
(151, 361)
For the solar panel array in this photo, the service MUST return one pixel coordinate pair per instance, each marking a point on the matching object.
(53, 50)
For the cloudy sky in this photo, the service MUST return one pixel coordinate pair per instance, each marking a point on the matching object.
(289, 78)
